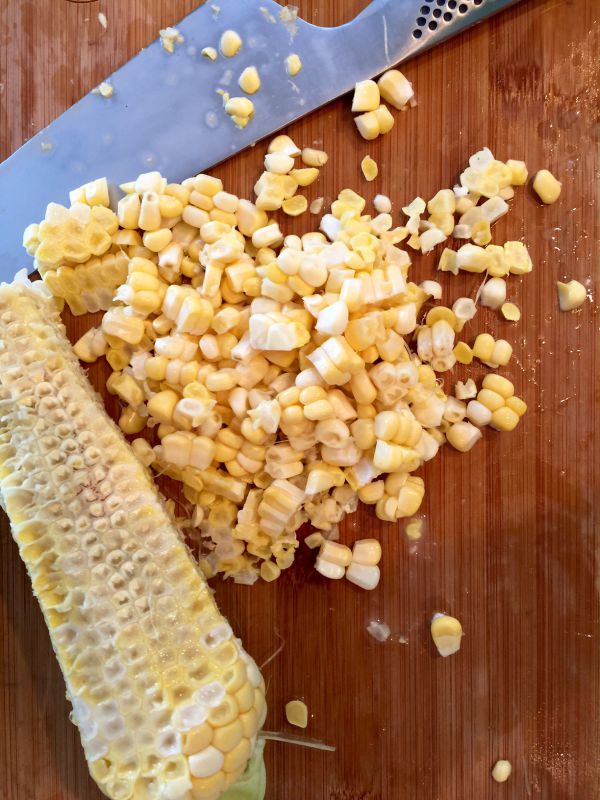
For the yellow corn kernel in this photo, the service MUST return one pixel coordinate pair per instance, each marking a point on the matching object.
(126, 388)
(446, 632)
(481, 233)
(306, 176)
(501, 354)
(269, 571)
(441, 313)
(511, 312)
(463, 353)
(294, 206)
(314, 158)
(162, 405)
(410, 497)
(314, 540)
(385, 120)
(131, 422)
(230, 43)
(249, 80)
(371, 493)
(518, 172)
(517, 405)
(504, 419)
(296, 713)
(395, 88)
(367, 125)
(499, 384)
(490, 399)
(386, 508)
(546, 186)
(483, 347)
(117, 358)
(369, 168)
(293, 64)
(116, 322)
(366, 96)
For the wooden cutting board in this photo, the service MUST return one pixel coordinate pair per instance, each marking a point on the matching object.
(511, 528)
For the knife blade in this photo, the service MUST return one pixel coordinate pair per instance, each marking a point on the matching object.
(166, 115)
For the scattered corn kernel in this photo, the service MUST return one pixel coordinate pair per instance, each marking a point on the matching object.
(230, 43)
(446, 632)
(546, 187)
(511, 312)
(314, 158)
(501, 771)
(395, 88)
(249, 80)
(293, 64)
(296, 713)
(369, 168)
(570, 295)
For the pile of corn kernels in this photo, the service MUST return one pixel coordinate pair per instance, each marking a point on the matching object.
(281, 379)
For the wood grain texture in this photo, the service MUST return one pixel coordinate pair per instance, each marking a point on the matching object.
(511, 531)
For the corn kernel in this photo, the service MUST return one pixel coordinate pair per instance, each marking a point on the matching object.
(366, 96)
(314, 158)
(510, 312)
(546, 187)
(249, 80)
(367, 125)
(463, 436)
(369, 168)
(504, 419)
(296, 713)
(571, 295)
(483, 347)
(446, 632)
(293, 64)
(499, 384)
(230, 43)
(395, 88)
(294, 206)
(385, 120)
(517, 405)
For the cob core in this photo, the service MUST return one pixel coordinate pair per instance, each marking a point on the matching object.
(167, 702)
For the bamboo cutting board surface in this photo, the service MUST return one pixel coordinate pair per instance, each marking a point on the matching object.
(511, 528)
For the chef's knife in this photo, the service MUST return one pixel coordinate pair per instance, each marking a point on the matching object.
(165, 113)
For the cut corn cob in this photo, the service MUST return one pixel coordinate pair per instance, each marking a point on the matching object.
(167, 702)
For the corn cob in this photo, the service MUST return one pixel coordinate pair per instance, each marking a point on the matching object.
(167, 702)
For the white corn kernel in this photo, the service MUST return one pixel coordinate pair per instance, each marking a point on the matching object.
(364, 576)
(571, 295)
(501, 771)
(446, 632)
(478, 414)
(465, 390)
(382, 204)
(493, 293)
(278, 163)
(329, 570)
(210, 53)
